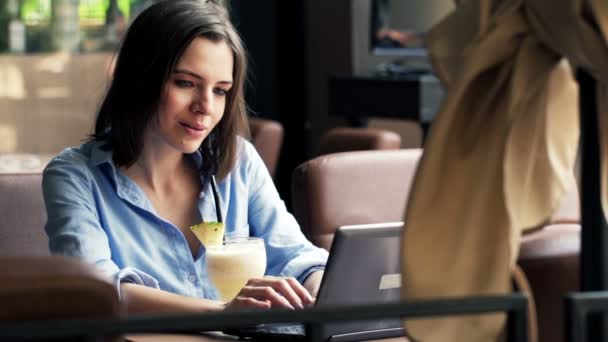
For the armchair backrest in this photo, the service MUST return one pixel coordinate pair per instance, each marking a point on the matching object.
(23, 215)
(351, 188)
(345, 139)
(267, 138)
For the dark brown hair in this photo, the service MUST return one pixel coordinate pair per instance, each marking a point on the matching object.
(153, 45)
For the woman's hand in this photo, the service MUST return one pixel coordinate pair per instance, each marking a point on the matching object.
(271, 292)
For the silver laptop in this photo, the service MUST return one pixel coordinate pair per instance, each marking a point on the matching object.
(363, 268)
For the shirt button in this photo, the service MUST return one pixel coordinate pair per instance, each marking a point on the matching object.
(191, 278)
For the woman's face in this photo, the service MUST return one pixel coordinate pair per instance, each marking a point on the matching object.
(194, 95)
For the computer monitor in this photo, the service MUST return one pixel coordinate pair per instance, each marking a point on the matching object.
(398, 28)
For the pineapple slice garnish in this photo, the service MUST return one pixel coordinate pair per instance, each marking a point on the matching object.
(209, 233)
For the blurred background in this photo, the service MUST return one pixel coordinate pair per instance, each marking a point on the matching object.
(55, 57)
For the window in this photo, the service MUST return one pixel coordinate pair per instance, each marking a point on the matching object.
(64, 25)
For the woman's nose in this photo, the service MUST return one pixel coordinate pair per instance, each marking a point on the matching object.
(203, 102)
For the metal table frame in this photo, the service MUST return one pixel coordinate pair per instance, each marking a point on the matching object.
(515, 305)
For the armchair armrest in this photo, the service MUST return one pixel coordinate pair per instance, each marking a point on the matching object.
(38, 288)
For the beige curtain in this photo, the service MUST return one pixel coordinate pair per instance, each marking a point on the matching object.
(502, 150)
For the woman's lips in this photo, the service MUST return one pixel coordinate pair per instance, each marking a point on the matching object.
(196, 130)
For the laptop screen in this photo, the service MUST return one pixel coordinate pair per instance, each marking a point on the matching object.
(364, 265)
(363, 268)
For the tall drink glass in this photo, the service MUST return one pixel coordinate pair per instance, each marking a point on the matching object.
(231, 264)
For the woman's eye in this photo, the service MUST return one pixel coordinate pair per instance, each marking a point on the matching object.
(221, 92)
(183, 83)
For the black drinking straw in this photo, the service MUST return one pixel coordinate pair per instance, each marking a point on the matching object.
(216, 199)
(212, 156)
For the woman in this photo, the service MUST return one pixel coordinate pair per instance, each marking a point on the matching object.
(175, 114)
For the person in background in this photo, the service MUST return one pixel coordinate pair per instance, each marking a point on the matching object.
(174, 115)
(115, 24)
(387, 37)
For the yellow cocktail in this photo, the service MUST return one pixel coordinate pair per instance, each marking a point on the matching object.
(231, 264)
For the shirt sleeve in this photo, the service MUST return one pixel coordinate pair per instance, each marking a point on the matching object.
(288, 251)
(73, 225)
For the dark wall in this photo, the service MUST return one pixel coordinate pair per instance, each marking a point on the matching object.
(257, 24)
(294, 47)
(329, 40)
(274, 33)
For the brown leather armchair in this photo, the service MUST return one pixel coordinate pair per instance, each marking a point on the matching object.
(550, 259)
(344, 139)
(363, 187)
(549, 256)
(33, 284)
(23, 215)
(351, 188)
(267, 138)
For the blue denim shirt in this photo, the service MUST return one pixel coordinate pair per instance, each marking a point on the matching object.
(97, 213)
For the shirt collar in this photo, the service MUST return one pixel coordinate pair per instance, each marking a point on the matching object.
(99, 157)
(197, 157)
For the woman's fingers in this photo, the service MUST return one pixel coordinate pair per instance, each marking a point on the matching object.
(276, 292)
(244, 302)
(300, 290)
(288, 288)
(267, 293)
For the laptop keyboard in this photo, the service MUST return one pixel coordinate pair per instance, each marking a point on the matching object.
(283, 329)
(271, 332)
